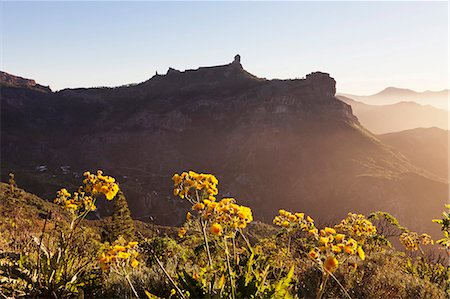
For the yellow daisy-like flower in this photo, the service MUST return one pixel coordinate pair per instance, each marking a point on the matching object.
(123, 255)
(182, 232)
(361, 253)
(349, 250)
(330, 230)
(119, 248)
(198, 207)
(313, 254)
(331, 264)
(134, 263)
(339, 237)
(216, 229)
(132, 244)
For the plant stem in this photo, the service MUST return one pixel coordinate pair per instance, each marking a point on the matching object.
(230, 273)
(205, 238)
(131, 285)
(325, 277)
(341, 286)
(246, 241)
(168, 276)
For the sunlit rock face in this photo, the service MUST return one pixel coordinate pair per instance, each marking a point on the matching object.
(272, 144)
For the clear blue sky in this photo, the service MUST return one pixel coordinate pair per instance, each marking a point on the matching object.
(365, 46)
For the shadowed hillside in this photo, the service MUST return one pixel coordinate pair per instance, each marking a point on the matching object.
(272, 144)
(426, 148)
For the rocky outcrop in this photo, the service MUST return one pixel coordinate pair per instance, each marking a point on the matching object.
(8, 80)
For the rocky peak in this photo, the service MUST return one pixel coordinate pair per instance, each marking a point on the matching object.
(8, 80)
(237, 60)
(322, 83)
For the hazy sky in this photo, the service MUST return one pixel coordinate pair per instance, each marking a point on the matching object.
(365, 46)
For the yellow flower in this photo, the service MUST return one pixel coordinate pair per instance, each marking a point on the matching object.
(300, 215)
(313, 254)
(134, 263)
(349, 250)
(198, 207)
(119, 248)
(331, 264)
(216, 229)
(309, 219)
(188, 216)
(112, 192)
(182, 232)
(123, 255)
(339, 237)
(323, 240)
(313, 231)
(330, 230)
(336, 249)
(361, 253)
(132, 244)
(176, 178)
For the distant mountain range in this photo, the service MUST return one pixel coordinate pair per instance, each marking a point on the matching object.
(392, 95)
(397, 117)
(272, 143)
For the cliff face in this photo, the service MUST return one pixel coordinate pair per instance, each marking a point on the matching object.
(272, 143)
(8, 80)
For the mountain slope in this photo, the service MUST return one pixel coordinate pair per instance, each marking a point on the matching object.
(272, 143)
(392, 95)
(426, 148)
(401, 116)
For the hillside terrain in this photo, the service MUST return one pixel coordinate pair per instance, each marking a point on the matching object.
(47, 250)
(381, 119)
(272, 143)
(424, 147)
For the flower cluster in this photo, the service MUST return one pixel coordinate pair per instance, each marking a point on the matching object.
(412, 240)
(76, 203)
(224, 216)
(330, 244)
(326, 246)
(192, 186)
(100, 184)
(357, 226)
(290, 220)
(119, 257)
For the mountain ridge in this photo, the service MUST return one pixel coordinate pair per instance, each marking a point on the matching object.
(398, 116)
(272, 143)
(391, 95)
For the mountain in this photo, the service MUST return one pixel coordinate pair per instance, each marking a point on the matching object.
(8, 80)
(272, 144)
(392, 95)
(396, 117)
(425, 147)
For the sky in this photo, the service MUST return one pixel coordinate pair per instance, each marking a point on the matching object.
(365, 46)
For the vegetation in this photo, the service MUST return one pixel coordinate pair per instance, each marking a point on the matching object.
(51, 250)
(122, 223)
